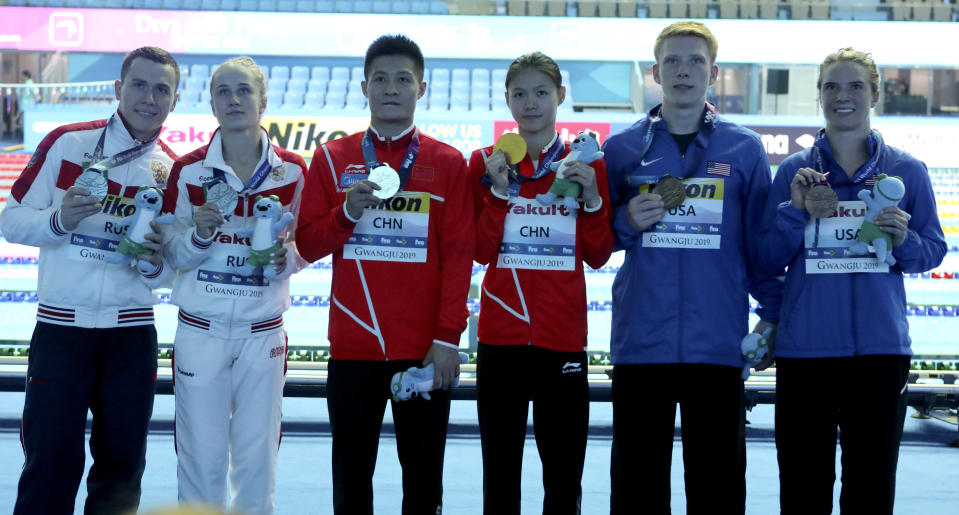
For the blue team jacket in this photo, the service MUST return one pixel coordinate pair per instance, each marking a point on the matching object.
(689, 305)
(847, 314)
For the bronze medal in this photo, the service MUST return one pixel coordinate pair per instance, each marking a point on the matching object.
(821, 200)
(671, 190)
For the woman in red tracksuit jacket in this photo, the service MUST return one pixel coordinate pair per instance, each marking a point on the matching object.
(532, 326)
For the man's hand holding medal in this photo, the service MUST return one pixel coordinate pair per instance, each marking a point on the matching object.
(207, 219)
(76, 205)
(383, 183)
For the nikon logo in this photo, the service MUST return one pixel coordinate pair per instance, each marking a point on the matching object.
(301, 137)
(115, 205)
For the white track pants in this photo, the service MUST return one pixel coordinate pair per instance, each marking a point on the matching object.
(228, 404)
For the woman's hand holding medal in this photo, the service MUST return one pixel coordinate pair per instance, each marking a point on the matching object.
(207, 219)
(810, 191)
(76, 205)
(510, 150)
(644, 210)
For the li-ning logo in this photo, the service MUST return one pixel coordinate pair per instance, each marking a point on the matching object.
(570, 368)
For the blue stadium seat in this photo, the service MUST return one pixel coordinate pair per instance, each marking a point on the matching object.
(195, 83)
(73, 3)
(381, 6)
(170, 5)
(355, 86)
(248, 5)
(153, 4)
(300, 72)
(343, 6)
(459, 103)
(286, 6)
(479, 101)
(315, 100)
(266, 6)
(355, 101)
(298, 85)
(460, 75)
(190, 5)
(209, 5)
(323, 6)
(205, 98)
(293, 99)
(274, 98)
(565, 75)
(305, 6)
(280, 72)
(17, 3)
(265, 70)
(362, 6)
(423, 103)
(200, 70)
(439, 99)
(316, 85)
(498, 77)
(335, 99)
(189, 98)
(400, 7)
(441, 74)
(357, 73)
(459, 87)
(420, 7)
(320, 72)
(499, 103)
(438, 7)
(340, 73)
(229, 5)
(276, 84)
(480, 74)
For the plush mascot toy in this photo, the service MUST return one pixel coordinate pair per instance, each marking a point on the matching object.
(584, 148)
(270, 220)
(754, 348)
(888, 191)
(148, 202)
(417, 381)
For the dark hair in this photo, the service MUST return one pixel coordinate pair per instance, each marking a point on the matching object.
(394, 44)
(536, 61)
(155, 54)
(26, 73)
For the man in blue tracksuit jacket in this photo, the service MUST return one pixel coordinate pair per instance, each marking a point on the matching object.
(844, 309)
(680, 300)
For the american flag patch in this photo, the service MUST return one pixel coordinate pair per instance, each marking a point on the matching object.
(717, 168)
(871, 181)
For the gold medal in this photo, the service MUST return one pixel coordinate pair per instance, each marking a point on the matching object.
(513, 146)
(671, 190)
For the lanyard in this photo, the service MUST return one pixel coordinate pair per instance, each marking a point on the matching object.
(122, 158)
(406, 166)
(870, 168)
(653, 119)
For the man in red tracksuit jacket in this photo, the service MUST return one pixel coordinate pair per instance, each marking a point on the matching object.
(401, 274)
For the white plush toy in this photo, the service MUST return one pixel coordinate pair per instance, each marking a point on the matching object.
(888, 191)
(148, 202)
(417, 381)
(584, 148)
(270, 220)
(754, 348)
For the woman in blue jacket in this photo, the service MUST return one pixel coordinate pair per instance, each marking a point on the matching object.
(843, 316)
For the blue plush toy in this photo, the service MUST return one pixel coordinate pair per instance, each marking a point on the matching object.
(270, 220)
(584, 148)
(888, 191)
(754, 348)
(148, 202)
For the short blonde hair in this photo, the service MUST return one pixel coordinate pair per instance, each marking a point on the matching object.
(688, 28)
(248, 64)
(851, 55)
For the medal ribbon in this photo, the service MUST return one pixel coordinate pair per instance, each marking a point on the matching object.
(406, 166)
(652, 121)
(870, 168)
(122, 158)
(542, 169)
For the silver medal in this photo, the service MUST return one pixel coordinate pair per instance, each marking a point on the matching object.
(387, 179)
(93, 180)
(223, 196)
